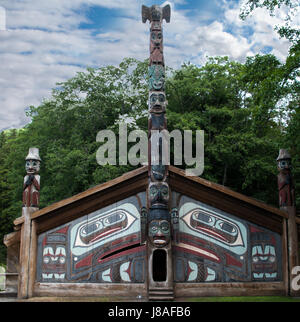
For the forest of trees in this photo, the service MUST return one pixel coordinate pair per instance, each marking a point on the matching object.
(247, 110)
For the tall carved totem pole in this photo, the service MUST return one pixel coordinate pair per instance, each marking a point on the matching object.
(31, 197)
(286, 192)
(158, 221)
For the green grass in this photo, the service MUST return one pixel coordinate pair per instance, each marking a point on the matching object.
(2, 278)
(194, 299)
(246, 299)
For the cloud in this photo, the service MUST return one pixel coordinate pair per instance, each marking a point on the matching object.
(44, 43)
(259, 28)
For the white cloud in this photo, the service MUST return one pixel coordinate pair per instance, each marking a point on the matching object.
(43, 44)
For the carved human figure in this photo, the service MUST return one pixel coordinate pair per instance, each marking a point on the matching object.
(31, 186)
(285, 180)
(159, 232)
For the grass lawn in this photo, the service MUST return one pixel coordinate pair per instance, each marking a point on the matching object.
(246, 299)
(2, 278)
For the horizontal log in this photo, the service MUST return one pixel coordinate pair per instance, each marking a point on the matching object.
(90, 289)
(229, 289)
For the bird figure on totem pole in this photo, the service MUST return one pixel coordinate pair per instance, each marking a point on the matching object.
(285, 181)
(31, 186)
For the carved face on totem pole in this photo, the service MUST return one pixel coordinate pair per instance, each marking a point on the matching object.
(158, 193)
(156, 47)
(32, 166)
(285, 180)
(156, 78)
(157, 102)
(31, 184)
(159, 232)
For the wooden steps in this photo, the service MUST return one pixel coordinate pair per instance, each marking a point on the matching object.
(161, 294)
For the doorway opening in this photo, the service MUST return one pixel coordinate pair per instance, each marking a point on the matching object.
(159, 265)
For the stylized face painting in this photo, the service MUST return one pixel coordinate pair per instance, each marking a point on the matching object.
(32, 166)
(54, 257)
(158, 193)
(264, 262)
(157, 102)
(159, 232)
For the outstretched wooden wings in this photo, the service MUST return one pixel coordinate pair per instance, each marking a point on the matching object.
(156, 13)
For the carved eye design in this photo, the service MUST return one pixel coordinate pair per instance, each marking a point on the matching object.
(165, 227)
(153, 191)
(161, 98)
(154, 229)
(157, 97)
(164, 191)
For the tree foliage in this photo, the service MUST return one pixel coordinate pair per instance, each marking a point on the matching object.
(289, 31)
(247, 111)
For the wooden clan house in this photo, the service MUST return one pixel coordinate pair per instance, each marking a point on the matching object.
(154, 233)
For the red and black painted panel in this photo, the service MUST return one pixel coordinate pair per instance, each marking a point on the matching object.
(102, 247)
(214, 246)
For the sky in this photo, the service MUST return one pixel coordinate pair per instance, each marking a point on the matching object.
(43, 42)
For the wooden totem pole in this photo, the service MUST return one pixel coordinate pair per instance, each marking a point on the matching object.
(159, 220)
(286, 192)
(31, 187)
(31, 196)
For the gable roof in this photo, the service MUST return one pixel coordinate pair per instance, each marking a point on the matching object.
(136, 181)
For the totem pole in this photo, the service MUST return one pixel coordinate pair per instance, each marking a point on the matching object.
(158, 218)
(286, 193)
(31, 197)
(285, 181)
(31, 186)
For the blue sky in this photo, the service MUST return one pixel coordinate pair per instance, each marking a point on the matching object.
(43, 42)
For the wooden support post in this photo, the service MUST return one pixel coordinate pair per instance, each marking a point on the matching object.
(293, 251)
(26, 252)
